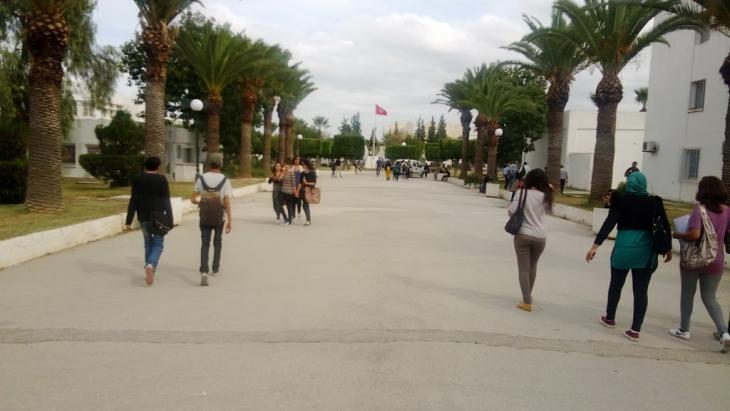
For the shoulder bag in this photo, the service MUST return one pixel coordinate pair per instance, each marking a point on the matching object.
(518, 218)
(701, 253)
(661, 237)
(159, 223)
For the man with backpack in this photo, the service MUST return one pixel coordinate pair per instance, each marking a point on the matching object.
(213, 194)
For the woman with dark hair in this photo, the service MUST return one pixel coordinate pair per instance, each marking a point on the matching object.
(309, 179)
(634, 212)
(711, 198)
(298, 169)
(277, 175)
(537, 198)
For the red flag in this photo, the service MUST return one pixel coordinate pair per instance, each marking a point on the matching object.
(379, 111)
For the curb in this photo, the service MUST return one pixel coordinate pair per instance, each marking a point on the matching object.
(17, 250)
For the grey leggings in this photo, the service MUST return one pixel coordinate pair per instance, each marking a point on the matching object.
(528, 251)
(708, 289)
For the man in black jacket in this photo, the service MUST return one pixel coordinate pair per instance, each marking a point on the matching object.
(151, 202)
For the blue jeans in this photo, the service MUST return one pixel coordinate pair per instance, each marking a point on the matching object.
(153, 245)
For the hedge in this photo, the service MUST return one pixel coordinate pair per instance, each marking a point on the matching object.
(433, 152)
(399, 152)
(310, 147)
(326, 150)
(13, 178)
(348, 147)
(117, 170)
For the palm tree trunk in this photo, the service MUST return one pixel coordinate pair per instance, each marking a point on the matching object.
(481, 124)
(157, 41)
(248, 102)
(282, 133)
(725, 72)
(213, 140)
(465, 131)
(289, 137)
(608, 94)
(44, 192)
(268, 117)
(492, 151)
(557, 99)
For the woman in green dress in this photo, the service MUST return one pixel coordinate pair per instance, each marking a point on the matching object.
(633, 212)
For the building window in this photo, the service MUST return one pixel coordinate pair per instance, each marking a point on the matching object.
(93, 149)
(697, 95)
(179, 152)
(691, 164)
(702, 36)
(189, 155)
(68, 154)
(87, 109)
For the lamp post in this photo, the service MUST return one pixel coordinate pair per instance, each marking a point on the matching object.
(403, 144)
(196, 105)
(299, 143)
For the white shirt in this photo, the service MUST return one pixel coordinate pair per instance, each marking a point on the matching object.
(563, 174)
(535, 207)
(212, 180)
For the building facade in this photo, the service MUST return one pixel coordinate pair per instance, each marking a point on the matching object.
(688, 101)
(82, 140)
(579, 142)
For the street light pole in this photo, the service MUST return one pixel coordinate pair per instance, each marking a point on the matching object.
(196, 105)
(299, 143)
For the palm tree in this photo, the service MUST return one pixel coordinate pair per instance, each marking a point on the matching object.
(320, 123)
(297, 86)
(453, 95)
(158, 37)
(217, 57)
(613, 33)
(642, 97)
(492, 95)
(558, 61)
(713, 15)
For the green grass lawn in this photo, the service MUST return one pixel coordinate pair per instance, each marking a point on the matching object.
(84, 199)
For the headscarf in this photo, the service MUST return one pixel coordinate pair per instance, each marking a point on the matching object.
(636, 184)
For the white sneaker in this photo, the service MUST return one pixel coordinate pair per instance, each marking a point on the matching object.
(308, 223)
(725, 341)
(203, 279)
(679, 333)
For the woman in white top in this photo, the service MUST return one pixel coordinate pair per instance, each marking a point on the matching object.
(537, 196)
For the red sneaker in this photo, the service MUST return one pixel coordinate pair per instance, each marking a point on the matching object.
(608, 323)
(632, 335)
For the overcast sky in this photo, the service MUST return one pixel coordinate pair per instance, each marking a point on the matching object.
(395, 53)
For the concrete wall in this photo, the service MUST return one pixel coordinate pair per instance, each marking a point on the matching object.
(670, 122)
(579, 141)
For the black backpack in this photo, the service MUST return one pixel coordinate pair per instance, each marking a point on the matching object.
(211, 204)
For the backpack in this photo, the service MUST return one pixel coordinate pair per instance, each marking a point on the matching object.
(211, 204)
(701, 253)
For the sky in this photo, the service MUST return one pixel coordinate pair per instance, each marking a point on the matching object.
(394, 53)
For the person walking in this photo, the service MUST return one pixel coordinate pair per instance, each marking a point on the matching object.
(275, 180)
(298, 169)
(333, 167)
(338, 166)
(150, 201)
(563, 178)
(288, 186)
(633, 169)
(309, 180)
(634, 212)
(426, 170)
(506, 172)
(397, 170)
(388, 171)
(536, 199)
(212, 193)
(378, 166)
(711, 198)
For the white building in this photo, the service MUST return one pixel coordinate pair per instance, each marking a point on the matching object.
(82, 140)
(688, 101)
(579, 142)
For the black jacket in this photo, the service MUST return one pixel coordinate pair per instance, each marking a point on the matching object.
(631, 212)
(150, 192)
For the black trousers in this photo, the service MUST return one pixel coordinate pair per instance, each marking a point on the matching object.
(640, 279)
(562, 185)
(205, 234)
(288, 200)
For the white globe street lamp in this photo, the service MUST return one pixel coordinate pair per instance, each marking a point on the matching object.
(498, 132)
(403, 144)
(196, 105)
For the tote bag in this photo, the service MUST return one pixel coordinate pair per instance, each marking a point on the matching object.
(701, 253)
(518, 218)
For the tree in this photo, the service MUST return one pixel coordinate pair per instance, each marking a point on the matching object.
(642, 97)
(493, 95)
(54, 41)
(217, 57)
(558, 61)
(453, 95)
(612, 33)
(158, 36)
(522, 129)
(356, 125)
(320, 123)
(345, 127)
(297, 85)
(431, 136)
(441, 130)
(420, 130)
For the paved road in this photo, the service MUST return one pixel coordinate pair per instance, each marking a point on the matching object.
(399, 296)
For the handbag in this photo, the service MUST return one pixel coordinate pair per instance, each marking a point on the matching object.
(661, 237)
(701, 253)
(312, 194)
(159, 223)
(518, 218)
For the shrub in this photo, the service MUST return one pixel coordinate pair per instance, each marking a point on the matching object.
(326, 150)
(13, 176)
(348, 147)
(123, 136)
(115, 169)
(399, 152)
(450, 149)
(309, 147)
(433, 152)
(472, 179)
